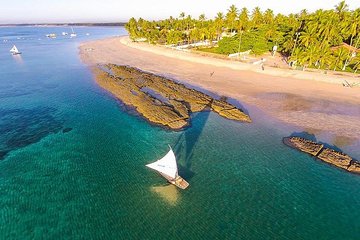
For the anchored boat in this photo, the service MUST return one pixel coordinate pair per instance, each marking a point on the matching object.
(51, 35)
(73, 34)
(14, 50)
(167, 167)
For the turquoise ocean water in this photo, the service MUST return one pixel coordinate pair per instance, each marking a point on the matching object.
(72, 162)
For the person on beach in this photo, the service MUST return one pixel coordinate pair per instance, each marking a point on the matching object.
(262, 64)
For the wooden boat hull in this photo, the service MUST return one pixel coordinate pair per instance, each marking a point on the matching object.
(178, 181)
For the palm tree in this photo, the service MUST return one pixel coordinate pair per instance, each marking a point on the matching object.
(325, 57)
(340, 55)
(341, 8)
(177, 36)
(303, 14)
(268, 16)
(354, 25)
(316, 18)
(256, 16)
(297, 53)
(309, 55)
(187, 23)
(356, 62)
(288, 44)
(352, 28)
(132, 28)
(202, 18)
(219, 24)
(231, 16)
(309, 36)
(211, 32)
(243, 19)
(328, 28)
(195, 35)
(270, 31)
(182, 21)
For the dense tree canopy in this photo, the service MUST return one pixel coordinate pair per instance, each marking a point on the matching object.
(325, 39)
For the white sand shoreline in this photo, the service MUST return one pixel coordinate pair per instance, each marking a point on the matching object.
(189, 56)
(312, 101)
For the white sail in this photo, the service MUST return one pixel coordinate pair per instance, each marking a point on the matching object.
(73, 34)
(166, 165)
(14, 49)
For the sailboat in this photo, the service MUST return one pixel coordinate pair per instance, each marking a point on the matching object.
(14, 50)
(167, 167)
(73, 34)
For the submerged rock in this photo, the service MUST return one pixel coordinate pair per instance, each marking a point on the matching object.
(338, 159)
(21, 127)
(3, 154)
(65, 130)
(160, 100)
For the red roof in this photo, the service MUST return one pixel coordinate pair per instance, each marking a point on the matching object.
(347, 46)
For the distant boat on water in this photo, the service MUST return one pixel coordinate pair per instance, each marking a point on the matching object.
(167, 167)
(51, 35)
(73, 34)
(64, 33)
(14, 50)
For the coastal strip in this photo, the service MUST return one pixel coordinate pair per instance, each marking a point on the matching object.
(160, 100)
(293, 101)
(335, 158)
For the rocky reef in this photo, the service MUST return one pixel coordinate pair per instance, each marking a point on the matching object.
(327, 155)
(160, 100)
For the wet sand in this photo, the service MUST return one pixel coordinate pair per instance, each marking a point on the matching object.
(314, 102)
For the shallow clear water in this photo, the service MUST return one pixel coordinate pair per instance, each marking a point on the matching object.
(73, 163)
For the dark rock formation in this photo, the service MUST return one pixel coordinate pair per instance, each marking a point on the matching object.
(21, 127)
(160, 100)
(65, 130)
(327, 155)
(304, 145)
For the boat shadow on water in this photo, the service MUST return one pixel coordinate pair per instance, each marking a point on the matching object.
(186, 142)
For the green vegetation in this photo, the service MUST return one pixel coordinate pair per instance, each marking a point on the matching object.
(325, 39)
(208, 50)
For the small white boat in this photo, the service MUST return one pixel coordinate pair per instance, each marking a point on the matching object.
(167, 167)
(73, 34)
(14, 50)
(51, 35)
(64, 33)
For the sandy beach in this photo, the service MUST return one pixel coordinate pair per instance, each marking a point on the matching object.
(314, 102)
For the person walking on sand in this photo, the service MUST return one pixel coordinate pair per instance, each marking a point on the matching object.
(262, 64)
